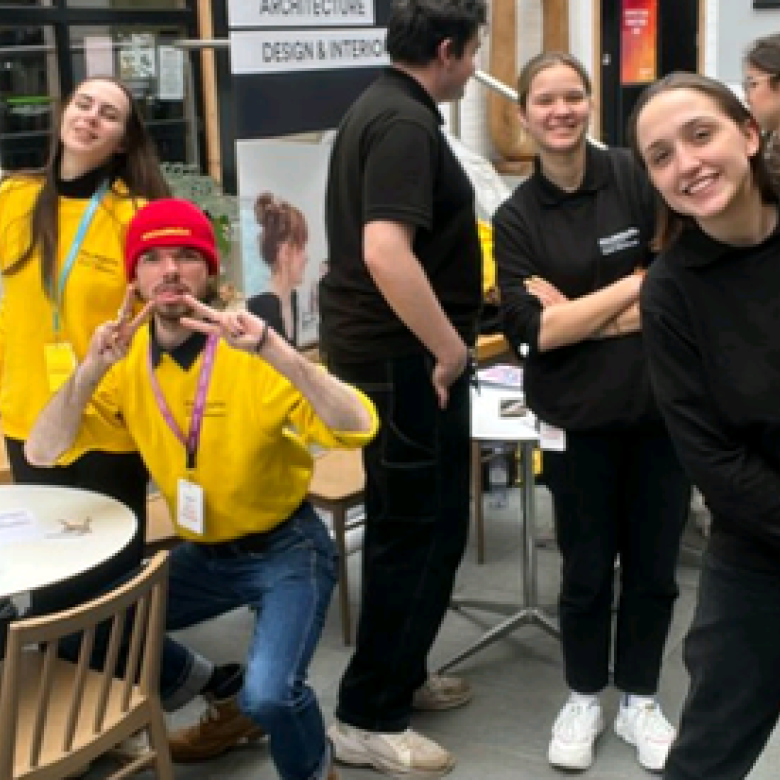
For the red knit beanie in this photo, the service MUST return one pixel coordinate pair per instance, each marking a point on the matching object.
(170, 222)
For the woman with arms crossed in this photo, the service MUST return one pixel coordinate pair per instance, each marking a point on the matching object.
(571, 245)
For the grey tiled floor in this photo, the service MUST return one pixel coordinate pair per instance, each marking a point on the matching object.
(517, 682)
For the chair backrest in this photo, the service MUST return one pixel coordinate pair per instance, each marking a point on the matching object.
(98, 691)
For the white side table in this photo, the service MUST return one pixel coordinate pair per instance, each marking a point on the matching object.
(50, 550)
(488, 425)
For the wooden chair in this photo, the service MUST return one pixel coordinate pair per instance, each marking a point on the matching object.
(337, 486)
(58, 716)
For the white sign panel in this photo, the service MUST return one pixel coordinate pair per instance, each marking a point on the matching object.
(170, 84)
(299, 13)
(282, 51)
(98, 55)
(294, 172)
(138, 59)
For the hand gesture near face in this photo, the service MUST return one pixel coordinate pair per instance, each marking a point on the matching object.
(240, 329)
(111, 340)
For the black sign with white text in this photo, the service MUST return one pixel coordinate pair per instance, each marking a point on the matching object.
(299, 64)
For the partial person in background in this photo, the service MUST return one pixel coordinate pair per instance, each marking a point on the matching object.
(62, 233)
(571, 246)
(710, 321)
(761, 71)
(283, 247)
(400, 306)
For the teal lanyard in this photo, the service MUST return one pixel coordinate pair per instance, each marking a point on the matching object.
(75, 247)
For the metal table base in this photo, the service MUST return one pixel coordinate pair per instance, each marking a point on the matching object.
(531, 613)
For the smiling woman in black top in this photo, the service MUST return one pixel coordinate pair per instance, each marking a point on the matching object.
(568, 244)
(711, 317)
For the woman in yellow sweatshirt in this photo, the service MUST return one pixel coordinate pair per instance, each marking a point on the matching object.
(62, 233)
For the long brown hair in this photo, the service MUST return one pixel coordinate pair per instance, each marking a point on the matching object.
(136, 165)
(282, 223)
(669, 223)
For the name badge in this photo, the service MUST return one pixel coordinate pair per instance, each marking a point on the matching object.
(60, 362)
(551, 439)
(189, 507)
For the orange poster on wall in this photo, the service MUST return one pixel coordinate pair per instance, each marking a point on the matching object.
(639, 42)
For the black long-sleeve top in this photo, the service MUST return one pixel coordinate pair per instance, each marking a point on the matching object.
(580, 242)
(711, 320)
(268, 307)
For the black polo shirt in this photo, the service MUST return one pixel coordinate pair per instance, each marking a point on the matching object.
(711, 316)
(391, 162)
(580, 242)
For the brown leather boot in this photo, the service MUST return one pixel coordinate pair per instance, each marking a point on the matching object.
(220, 728)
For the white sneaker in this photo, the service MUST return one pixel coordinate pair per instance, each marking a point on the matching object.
(574, 734)
(645, 727)
(407, 754)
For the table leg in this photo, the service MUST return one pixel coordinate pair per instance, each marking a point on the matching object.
(530, 613)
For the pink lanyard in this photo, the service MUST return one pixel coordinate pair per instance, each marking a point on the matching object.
(191, 440)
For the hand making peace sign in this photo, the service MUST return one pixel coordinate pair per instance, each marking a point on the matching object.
(240, 329)
(111, 340)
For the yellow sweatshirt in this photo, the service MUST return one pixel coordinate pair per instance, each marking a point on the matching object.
(93, 293)
(253, 461)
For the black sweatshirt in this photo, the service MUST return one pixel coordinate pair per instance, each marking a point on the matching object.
(711, 319)
(580, 242)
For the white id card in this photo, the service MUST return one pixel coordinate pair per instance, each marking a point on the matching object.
(189, 507)
(551, 438)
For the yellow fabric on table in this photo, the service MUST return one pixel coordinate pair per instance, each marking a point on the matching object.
(485, 231)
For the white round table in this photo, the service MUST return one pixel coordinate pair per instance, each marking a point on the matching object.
(37, 548)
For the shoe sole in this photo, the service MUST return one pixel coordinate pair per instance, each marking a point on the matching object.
(623, 734)
(568, 758)
(441, 706)
(193, 758)
(351, 757)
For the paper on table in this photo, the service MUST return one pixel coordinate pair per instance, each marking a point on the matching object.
(504, 375)
(18, 525)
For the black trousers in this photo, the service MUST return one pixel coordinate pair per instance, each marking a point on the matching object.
(626, 494)
(417, 520)
(122, 476)
(732, 653)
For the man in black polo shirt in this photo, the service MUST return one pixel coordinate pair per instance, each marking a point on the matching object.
(399, 309)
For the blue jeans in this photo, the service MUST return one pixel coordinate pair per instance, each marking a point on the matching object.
(288, 582)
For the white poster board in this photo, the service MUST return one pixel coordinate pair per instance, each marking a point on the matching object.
(294, 171)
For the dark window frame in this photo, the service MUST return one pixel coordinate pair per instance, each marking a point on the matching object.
(60, 18)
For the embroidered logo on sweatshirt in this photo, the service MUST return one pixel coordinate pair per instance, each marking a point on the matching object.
(626, 239)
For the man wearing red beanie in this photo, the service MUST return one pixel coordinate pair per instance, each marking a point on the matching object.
(222, 409)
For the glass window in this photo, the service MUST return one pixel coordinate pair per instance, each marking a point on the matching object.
(156, 72)
(29, 85)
